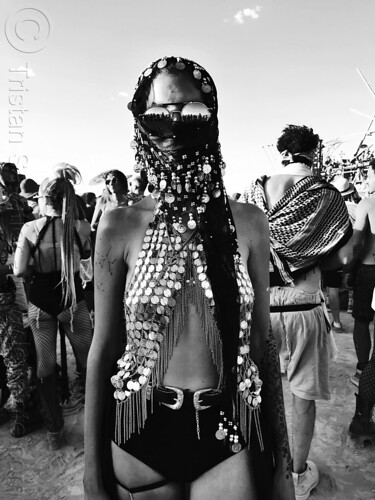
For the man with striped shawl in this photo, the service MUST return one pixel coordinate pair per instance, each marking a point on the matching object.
(308, 222)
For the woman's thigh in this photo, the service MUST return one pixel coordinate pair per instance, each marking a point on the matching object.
(131, 473)
(44, 328)
(232, 479)
(80, 333)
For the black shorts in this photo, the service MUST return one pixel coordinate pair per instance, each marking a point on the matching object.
(169, 442)
(332, 278)
(362, 295)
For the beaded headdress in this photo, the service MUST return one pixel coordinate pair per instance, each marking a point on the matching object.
(189, 191)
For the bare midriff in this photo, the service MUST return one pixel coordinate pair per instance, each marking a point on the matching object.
(191, 366)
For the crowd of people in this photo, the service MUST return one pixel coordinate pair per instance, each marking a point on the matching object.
(201, 303)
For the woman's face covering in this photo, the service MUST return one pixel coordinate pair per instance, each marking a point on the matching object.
(172, 91)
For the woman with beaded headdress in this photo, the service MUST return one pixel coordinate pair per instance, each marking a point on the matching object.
(50, 249)
(195, 405)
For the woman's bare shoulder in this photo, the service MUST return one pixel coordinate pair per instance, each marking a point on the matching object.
(124, 220)
(33, 227)
(248, 216)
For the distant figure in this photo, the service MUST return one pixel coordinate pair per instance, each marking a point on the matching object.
(114, 195)
(364, 254)
(29, 190)
(15, 401)
(55, 244)
(333, 279)
(363, 309)
(137, 187)
(308, 221)
(90, 202)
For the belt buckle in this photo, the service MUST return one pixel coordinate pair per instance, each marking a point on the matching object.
(179, 398)
(197, 402)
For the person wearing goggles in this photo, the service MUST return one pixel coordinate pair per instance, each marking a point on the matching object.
(189, 269)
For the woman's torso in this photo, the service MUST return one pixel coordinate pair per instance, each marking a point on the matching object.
(191, 365)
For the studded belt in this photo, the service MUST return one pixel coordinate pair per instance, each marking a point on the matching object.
(174, 398)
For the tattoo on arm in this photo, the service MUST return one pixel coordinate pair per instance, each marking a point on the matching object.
(273, 393)
(104, 260)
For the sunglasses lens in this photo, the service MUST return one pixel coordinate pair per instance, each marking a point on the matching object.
(155, 113)
(163, 122)
(195, 110)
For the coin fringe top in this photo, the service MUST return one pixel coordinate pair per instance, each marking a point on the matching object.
(169, 275)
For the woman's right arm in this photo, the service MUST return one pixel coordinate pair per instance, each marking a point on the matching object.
(110, 276)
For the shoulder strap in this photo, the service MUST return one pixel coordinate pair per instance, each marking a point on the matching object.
(78, 241)
(41, 235)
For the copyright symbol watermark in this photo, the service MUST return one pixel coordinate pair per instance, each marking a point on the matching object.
(28, 30)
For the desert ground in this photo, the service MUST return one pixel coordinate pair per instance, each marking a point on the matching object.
(28, 470)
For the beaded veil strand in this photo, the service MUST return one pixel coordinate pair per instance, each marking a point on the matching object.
(189, 190)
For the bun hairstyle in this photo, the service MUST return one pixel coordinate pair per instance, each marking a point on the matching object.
(59, 192)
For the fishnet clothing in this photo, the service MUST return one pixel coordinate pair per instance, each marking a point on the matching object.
(367, 382)
(44, 327)
(308, 222)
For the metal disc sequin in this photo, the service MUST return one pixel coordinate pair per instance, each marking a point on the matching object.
(181, 228)
(197, 74)
(192, 224)
(180, 65)
(236, 447)
(169, 197)
(206, 88)
(147, 72)
(220, 434)
(162, 63)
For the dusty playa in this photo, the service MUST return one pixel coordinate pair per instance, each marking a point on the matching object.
(29, 471)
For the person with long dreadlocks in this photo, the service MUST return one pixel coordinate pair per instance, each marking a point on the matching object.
(54, 244)
(308, 222)
(196, 398)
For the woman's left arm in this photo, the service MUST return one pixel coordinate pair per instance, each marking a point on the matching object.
(264, 353)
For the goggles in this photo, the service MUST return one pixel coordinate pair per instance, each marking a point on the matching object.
(164, 122)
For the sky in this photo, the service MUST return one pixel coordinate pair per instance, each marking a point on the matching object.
(68, 70)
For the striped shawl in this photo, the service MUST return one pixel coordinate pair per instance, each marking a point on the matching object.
(309, 222)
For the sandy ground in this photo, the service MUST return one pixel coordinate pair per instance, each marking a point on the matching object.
(29, 470)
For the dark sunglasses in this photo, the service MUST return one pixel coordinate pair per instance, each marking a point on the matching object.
(163, 122)
(111, 181)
